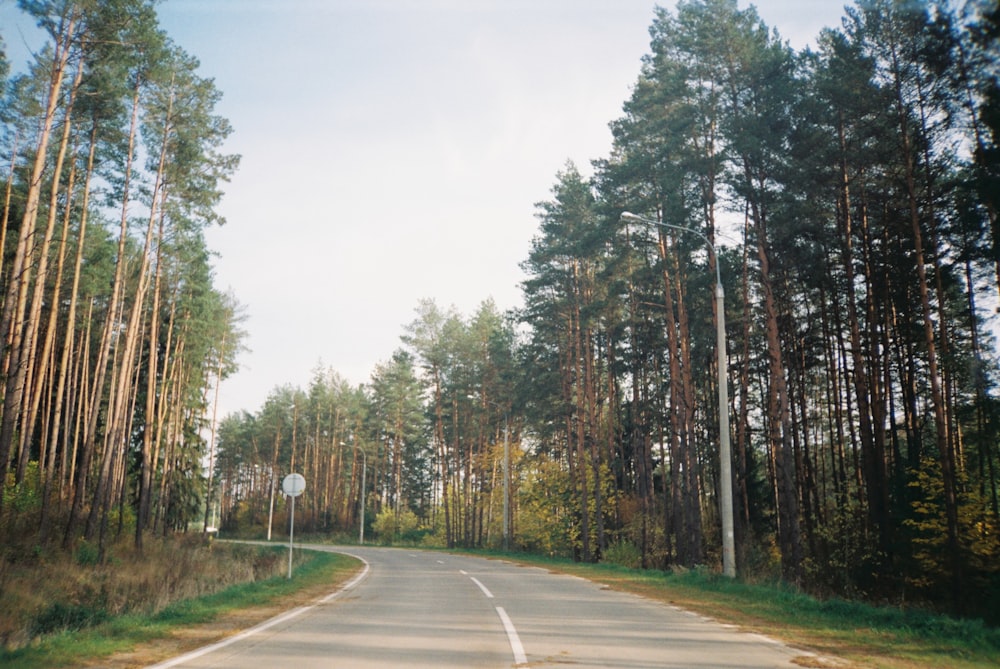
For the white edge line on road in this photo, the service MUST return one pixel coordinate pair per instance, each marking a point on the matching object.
(482, 587)
(280, 618)
(520, 659)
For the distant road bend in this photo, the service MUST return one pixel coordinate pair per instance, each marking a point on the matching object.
(415, 609)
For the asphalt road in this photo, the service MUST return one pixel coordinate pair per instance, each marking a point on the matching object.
(415, 609)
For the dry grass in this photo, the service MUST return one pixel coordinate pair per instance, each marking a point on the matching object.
(44, 592)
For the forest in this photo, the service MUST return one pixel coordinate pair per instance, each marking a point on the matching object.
(844, 198)
(113, 335)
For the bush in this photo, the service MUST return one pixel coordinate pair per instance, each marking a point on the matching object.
(87, 554)
(405, 526)
(61, 616)
(625, 554)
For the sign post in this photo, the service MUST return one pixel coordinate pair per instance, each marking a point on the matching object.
(292, 485)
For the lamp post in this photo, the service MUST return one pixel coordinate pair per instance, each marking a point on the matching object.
(725, 454)
(364, 472)
(506, 484)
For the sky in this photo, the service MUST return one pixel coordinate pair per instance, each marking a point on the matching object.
(394, 151)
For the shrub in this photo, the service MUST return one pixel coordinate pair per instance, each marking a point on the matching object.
(390, 526)
(625, 554)
(59, 616)
(87, 554)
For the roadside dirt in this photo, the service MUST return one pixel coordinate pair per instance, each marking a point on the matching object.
(185, 639)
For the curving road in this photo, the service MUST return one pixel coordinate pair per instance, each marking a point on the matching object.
(412, 608)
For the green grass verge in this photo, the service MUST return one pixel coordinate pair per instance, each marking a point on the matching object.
(862, 634)
(122, 633)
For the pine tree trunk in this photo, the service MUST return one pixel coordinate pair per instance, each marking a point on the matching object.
(12, 318)
(677, 517)
(779, 407)
(35, 365)
(50, 439)
(876, 482)
(938, 398)
(96, 390)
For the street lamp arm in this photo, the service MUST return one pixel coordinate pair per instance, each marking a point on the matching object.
(713, 251)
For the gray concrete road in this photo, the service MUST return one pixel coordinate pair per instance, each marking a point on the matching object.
(425, 609)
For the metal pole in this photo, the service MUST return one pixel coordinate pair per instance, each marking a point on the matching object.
(270, 512)
(291, 536)
(506, 485)
(725, 453)
(364, 472)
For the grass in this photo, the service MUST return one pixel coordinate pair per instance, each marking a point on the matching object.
(314, 573)
(841, 633)
(857, 634)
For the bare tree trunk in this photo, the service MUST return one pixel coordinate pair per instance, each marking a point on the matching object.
(675, 407)
(50, 440)
(36, 366)
(744, 464)
(212, 431)
(694, 536)
(576, 336)
(147, 464)
(872, 448)
(5, 218)
(946, 454)
(96, 391)
(789, 534)
(118, 413)
(593, 424)
(12, 318)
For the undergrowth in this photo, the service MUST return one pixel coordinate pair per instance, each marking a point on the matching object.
(67, 647)
(56, 592)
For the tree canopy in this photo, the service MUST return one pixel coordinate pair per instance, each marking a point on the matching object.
(848, 192)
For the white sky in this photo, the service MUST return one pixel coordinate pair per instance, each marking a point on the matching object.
(393, 150)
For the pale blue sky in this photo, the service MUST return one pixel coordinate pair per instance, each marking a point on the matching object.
(393, 150)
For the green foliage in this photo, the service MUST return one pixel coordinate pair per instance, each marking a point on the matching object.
(60, 616)
(545, 518)
(849, 557)
(93, 304)
(928, 525)
(817, 171)
(404, 527)
(24, 497)
(87, 554)
(625, 554)
(932, 575)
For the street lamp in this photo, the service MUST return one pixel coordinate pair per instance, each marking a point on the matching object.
(364, 472)
(725, 454)
(506, 485)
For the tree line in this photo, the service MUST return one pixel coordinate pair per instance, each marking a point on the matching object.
(113, 334)
(849, 192)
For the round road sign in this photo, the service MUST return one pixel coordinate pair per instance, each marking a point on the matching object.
(293, 485)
